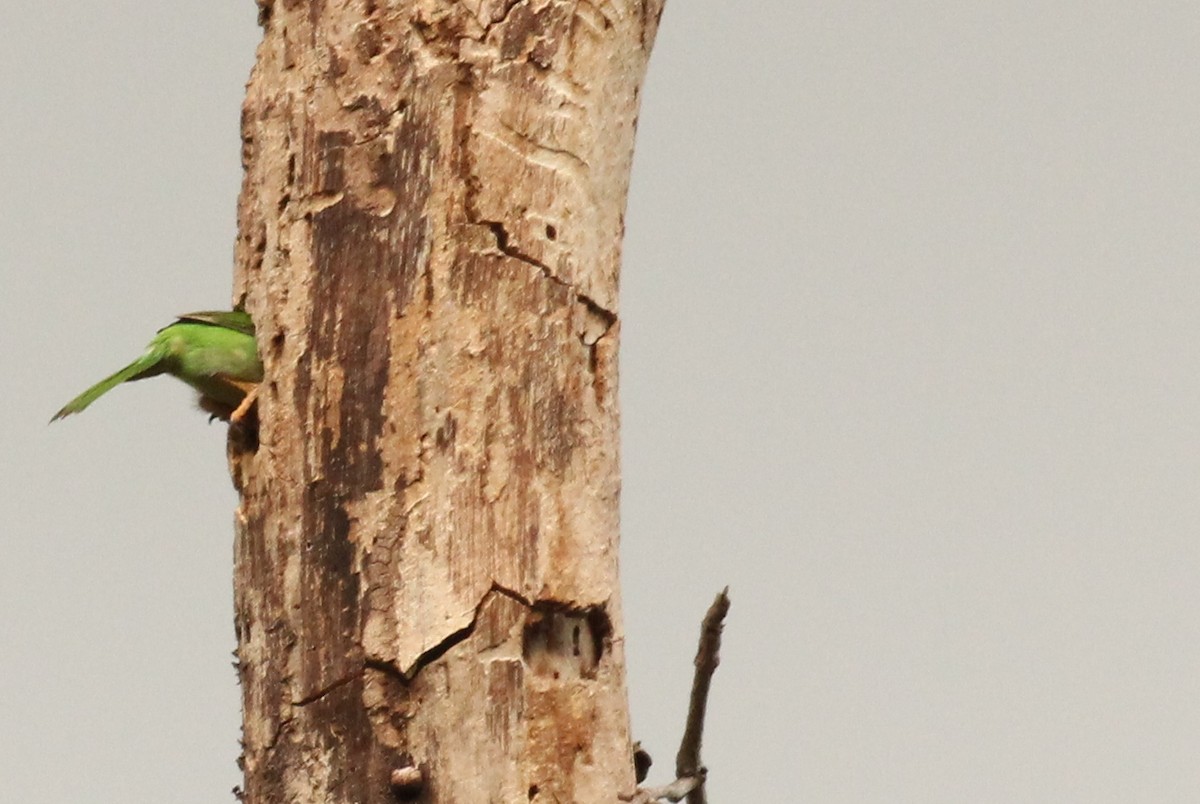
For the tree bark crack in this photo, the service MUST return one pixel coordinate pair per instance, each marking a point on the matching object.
(505, 246)
(459, 636)
(328, 688)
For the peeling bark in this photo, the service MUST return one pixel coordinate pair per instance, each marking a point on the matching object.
(426, 552)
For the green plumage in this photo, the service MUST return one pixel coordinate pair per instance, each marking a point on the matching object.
(214, 352)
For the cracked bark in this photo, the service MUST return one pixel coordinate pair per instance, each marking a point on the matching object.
(426, 547)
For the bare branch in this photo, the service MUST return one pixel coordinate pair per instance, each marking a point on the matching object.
(687, 761)
(690, 773)
(675, 791)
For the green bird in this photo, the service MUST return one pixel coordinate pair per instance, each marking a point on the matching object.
(214, 352)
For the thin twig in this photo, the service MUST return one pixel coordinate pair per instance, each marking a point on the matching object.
(688, 770)
(687, 761)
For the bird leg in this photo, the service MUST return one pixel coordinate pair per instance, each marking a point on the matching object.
(239, 413)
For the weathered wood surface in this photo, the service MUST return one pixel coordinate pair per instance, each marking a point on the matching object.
(426, 552)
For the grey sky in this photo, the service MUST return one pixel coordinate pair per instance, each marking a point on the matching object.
(910, 361)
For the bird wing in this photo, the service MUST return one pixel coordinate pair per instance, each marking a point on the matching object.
(236, 320)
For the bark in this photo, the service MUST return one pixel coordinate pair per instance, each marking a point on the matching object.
(426, 547)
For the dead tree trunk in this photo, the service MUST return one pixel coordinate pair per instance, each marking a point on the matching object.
(426, 552)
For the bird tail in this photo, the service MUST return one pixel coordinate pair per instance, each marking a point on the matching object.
(148, 365)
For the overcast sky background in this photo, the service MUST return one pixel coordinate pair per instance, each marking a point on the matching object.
(909, 361)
